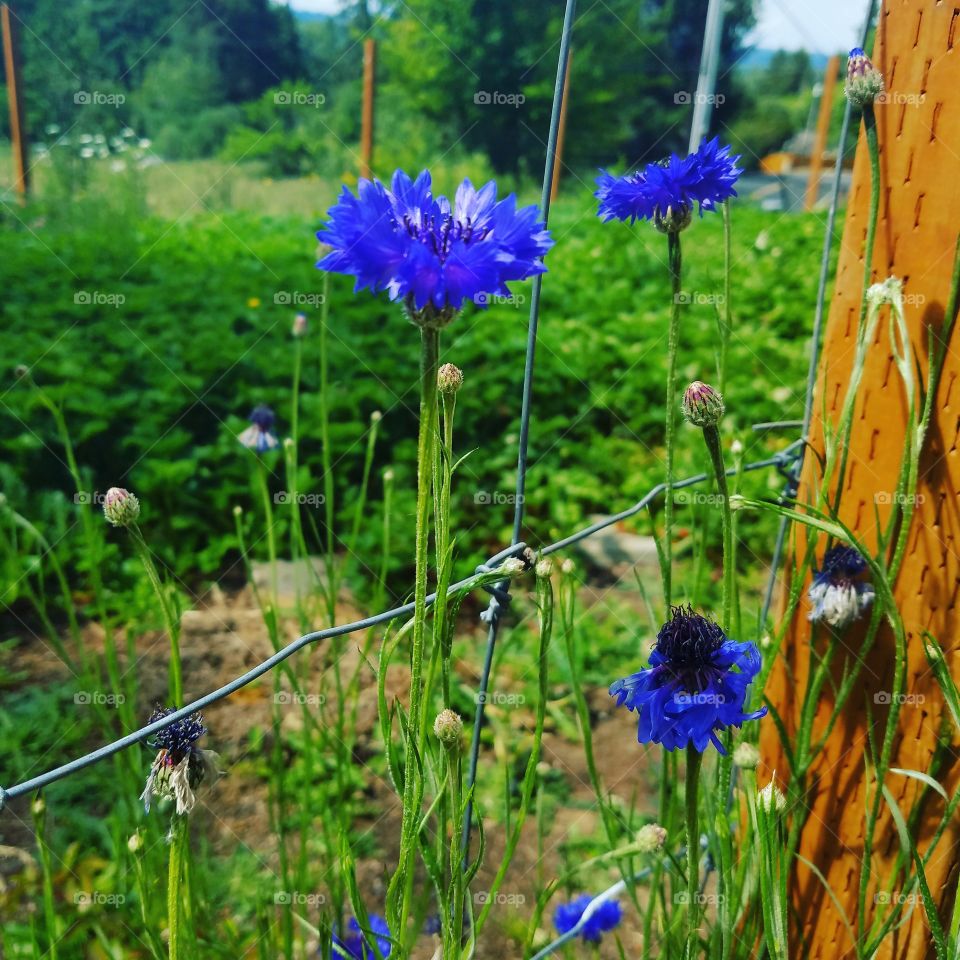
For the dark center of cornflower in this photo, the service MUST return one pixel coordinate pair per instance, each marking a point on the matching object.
(263, 418)
(688, 642)
(439, 233)
(840, 565)
(179, 738)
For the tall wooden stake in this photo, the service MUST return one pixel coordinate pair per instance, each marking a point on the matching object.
(823, 130)
(561, 129)
(21, 172)
(366, 120)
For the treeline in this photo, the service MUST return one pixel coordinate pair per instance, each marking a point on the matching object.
(466, 79)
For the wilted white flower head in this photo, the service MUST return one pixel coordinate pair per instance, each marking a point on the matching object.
(771, 799)
(837, 595)
(889, 291)
(651, 837)
(180, 765)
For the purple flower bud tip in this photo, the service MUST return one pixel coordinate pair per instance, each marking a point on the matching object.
(120, 507)
(702, 405)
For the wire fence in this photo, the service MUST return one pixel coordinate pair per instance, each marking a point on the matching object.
(786, 461)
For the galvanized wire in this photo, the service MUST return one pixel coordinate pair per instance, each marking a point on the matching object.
(780, 460)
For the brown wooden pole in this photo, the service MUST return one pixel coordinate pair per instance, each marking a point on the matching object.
(823, 131)
(561, 129)
(366, 121)
(919, 134)
(11, 63)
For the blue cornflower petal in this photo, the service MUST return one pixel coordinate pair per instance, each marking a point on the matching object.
(836, 596)
(356, 943)
(606, 917)
(695, 685)
(706, 177)
(421, 249)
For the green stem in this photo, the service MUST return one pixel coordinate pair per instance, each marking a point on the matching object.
(694, 760)
(726, 324)
(170, 619)
(673, 341)
(413, 777)
(711, 437)
(177, 844)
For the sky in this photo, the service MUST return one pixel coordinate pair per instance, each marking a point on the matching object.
(820, 26)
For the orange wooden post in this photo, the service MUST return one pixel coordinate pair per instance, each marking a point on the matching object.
(823, 130)
(919, 134)
(561, 129)
(11, 63)
(366, 120)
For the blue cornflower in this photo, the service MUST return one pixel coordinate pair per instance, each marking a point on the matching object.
(429, 253)
(180, 765)
(259, 435)
(604, 918)
(356, 944)
(836, 595)
(665, 192)
(696, 684)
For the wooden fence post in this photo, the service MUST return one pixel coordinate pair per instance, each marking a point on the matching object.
(823, 131)
(918, 51)
(366, 119)
(11, 62)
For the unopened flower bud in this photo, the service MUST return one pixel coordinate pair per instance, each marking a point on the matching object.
(299, 328)
(38, 807)
(448, 728)
(702, 405)
(21, 370)
(376, 416)
(238, 511)
(651, 837)
(673, 219)
(388, 475)
(736, 501)
(513, 567)
(120, 507)
(135, 843)
(864, 81)
(736, 448)
(449, 379)
(746, 756)
(771, 799)
(544, 567)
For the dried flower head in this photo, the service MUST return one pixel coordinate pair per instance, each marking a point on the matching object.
(771, 799)
(180, 765)
(259, 435)
(837, 595)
